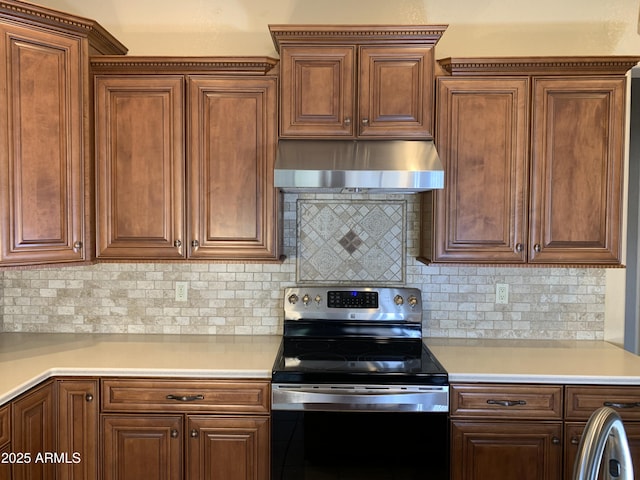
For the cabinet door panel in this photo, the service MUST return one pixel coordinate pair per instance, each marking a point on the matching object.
(232, 142)
(78, 428)
(231, 448)
(318, 91)
(5, 468)
(573, 435)
(482, 141)
(33, 417)
(577, 151)
(41, 148)
(396, 96)
(505, 451)
(140, 148)
(140, 446)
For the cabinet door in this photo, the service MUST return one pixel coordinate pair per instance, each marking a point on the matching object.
(5, 467)
(395, 96)
(577, 155)
(42, 147)
(232, 141)
(5, 442)
(33, 417)
(142, 446)
(482, 138)
(78, 429)
(317, 85)
(228, 448)
(573, 434)
(140, 166)
(505, 451)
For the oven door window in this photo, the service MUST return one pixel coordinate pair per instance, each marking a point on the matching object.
(359, 445)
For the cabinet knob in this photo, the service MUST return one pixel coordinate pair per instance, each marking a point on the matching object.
(174, 433)
(77, 246)
(365, 121)
(575, 440)
(519, 247)
(88, 397)
(195, 244)
(537, 248)
(555, 441)
(193, 433)
(347, 121)
(177, 243)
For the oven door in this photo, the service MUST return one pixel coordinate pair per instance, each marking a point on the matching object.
(359, 432)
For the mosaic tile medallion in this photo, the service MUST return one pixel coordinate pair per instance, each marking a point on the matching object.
(357, 242)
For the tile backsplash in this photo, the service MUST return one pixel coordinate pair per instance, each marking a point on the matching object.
(365, 239)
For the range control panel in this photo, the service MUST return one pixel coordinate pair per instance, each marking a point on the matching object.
(358, 303)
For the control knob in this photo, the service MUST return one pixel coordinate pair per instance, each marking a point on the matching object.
(306, 298)
(398, 300)
(413, 301)
(293, 299)
(318, 299)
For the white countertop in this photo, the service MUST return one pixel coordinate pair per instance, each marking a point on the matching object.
(536, 361)
(28, 358)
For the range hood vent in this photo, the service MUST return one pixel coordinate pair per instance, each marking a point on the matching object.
(358, 166)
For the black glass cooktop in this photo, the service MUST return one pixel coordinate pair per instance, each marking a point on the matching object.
(357, 360)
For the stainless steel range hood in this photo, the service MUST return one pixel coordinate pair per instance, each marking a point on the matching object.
(358, 166)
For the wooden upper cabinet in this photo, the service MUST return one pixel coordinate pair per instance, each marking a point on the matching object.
(356, 81)
(483, 139)
(533, 154)
(140, 166)
(45, 156)
(318, 86)
(576, 165)
(185, 156)
(232, 141)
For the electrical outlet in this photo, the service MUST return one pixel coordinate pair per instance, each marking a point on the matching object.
(502, 293)
(181, 291)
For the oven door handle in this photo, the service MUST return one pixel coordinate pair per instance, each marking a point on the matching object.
(361, 399)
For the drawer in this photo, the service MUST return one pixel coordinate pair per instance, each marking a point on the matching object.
(5, 427)
(506, 401)
(582, 401)
(211, 396)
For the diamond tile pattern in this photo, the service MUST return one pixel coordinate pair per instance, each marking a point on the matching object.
(358, 242)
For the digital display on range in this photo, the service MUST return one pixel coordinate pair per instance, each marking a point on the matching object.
(352, 299)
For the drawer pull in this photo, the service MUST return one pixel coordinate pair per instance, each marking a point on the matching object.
(621, 405)
(185, 398)
(507, 403)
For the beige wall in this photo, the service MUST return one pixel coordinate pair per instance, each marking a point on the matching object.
(488, 27)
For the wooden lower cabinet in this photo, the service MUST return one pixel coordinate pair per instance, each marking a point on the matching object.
(506, 450)
(185, 429)
(5, 442)
(228, 448)
(142, 446)
(573, 433)
(210, 448)
(77, 429)
(33, 432)
(504, 432)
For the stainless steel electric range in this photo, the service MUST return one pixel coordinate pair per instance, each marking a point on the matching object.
(355, 388)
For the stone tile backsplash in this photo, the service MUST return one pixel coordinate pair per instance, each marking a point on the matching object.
(366, 239)
(359, 242)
